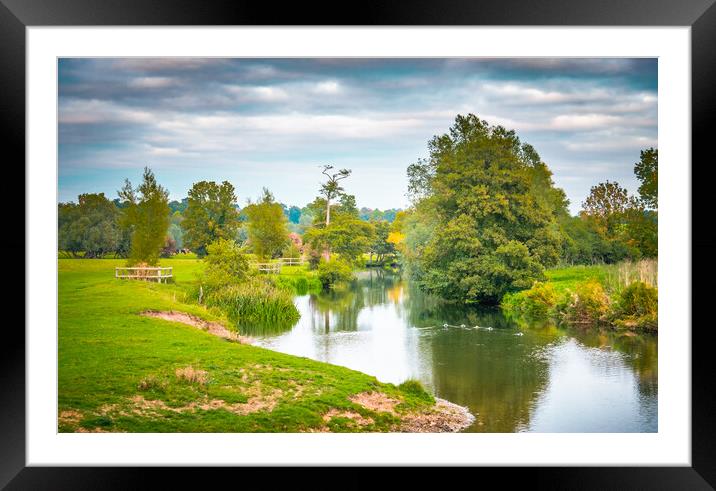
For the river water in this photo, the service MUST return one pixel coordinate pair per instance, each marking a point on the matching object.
(530, 379)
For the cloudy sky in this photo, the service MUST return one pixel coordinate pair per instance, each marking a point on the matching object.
(273, 122)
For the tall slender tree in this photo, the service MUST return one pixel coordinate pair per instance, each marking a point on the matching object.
(147, 216)
(331, 189)
(266, 226)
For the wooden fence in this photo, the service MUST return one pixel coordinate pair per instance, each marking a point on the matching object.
(160, 275)
(275, 267)
(270, 268)
(291, 261)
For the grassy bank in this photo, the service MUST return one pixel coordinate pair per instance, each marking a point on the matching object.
(123, 372)
(619, 295)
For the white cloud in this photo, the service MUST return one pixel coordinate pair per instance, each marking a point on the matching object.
(258, 93)
(269, 94)
(522, 93)
(327, 87)
(151, 82)
(273, 126)
(583, 121)
(77, 111)
(164, 151)
(611, 144)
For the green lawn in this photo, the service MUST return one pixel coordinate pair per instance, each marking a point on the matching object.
(118, 370)
(567, 278)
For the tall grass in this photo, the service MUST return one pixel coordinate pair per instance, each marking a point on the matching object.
(256, 299)
(619, 276)
(301, 285)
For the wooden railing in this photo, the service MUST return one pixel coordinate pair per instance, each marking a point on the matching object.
(275, 267)
(270, 268)
(160, 275)
(291, 261)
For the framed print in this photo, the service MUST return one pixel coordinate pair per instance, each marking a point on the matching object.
(427, 237)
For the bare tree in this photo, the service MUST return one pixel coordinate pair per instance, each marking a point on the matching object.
(331, 189)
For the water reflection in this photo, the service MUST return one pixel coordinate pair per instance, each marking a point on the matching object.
(534, 379)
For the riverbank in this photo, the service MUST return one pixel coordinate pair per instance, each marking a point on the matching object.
(121, 371)
(622, 296)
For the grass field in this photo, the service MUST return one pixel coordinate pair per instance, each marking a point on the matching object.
(123, 372)
(564, 279)
(612, 276)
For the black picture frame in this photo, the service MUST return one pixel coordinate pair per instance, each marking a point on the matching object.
(700, 15)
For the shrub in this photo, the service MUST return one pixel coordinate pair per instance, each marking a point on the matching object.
(292, 251)
(588, 304)
(334, 271)
(537, 303)
(225, 264)
(313, 256)
(637, 306)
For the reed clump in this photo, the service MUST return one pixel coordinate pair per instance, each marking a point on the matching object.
(255, 299)
(621, 275)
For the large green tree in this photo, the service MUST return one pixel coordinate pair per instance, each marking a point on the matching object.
(266, 226)
(626, 227)
(381, 247)
(210, 215)
(146, 215)
(91, 226)
(607, 205)
(346, 235)
(485, 214)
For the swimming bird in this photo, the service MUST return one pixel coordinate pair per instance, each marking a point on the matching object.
(488, 328)
(445, 325)
(519, 334)
(462, 325)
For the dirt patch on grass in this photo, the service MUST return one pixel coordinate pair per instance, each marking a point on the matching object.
(443, 417)
(70, 417)
(93, 430)
(259, 399)
(375, 401)
(357, 418)
(211, 327)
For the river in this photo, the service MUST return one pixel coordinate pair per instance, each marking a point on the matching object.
(530, 379)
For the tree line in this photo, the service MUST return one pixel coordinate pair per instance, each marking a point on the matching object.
(143, 225)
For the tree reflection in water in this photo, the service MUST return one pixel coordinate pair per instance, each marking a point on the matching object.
(513, 378)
